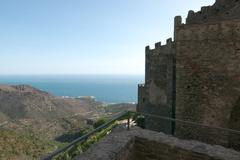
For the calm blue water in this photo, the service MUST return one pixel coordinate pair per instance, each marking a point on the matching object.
(109, 89)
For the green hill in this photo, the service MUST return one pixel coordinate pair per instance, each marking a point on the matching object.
(22, 147)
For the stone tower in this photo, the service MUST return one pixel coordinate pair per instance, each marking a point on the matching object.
(157, 96)
(196, 77)
(208, 72)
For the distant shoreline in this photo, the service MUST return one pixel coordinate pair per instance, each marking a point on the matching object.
(107, 89)
(92, 98)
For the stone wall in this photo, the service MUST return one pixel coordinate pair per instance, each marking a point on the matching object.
(208, 79)
(138, 144)
(221, 10)
(196, 78)
(158, 97)
(146, 149)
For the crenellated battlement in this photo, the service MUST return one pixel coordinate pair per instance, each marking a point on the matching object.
(158, 45)
(225, 2)
(178, 21)
(161, 49)
(221, 10)
(207, 13)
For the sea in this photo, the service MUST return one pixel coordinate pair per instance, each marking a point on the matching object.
(104, 88)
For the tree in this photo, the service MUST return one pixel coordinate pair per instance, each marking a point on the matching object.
(99, 122)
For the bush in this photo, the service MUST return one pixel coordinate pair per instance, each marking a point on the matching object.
(140, 121)
(99, 122)
(83, 146)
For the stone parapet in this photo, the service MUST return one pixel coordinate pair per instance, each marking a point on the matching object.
(138, 144)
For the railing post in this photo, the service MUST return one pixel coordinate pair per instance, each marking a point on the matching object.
(128, 121)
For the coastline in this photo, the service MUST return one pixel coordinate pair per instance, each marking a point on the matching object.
(106, 89)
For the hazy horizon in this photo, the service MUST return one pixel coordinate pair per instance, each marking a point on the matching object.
(1, 75)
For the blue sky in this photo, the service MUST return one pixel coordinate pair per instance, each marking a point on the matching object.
(84, 36)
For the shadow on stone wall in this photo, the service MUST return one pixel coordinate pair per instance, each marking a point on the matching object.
(234, 140)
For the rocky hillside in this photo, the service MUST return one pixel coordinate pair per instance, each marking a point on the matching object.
(27, 112)
(24, 102)
(23, 147)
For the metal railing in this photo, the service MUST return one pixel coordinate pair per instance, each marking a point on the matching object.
(187, 122)
(129, 116)
(184, 129)
(86, 136)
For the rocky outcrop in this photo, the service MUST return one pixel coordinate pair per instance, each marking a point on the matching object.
(24, 101)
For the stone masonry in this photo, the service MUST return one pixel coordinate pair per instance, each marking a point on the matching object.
(139, 144)
(196, 77)
(158, 89)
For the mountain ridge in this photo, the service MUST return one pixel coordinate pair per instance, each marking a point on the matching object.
(24, 101)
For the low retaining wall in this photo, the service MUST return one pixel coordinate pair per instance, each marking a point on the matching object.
(139, 144)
